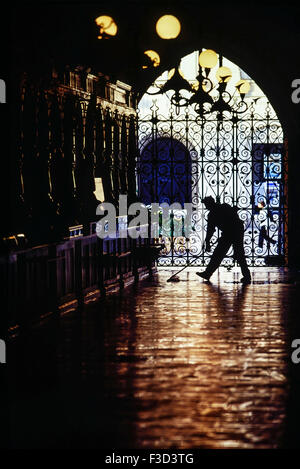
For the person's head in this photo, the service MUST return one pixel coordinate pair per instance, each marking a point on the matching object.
(209, 202)
(261, 204)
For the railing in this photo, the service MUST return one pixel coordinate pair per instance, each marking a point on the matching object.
(49, 279)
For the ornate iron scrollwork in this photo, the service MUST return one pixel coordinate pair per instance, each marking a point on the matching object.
(239, 159)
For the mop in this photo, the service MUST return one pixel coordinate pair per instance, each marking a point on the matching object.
(175, 278)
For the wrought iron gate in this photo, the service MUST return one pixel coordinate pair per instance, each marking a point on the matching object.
(239, 159)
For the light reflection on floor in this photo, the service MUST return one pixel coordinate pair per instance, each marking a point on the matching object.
(171, 365)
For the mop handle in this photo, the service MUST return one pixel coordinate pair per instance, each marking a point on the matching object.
(188, 265)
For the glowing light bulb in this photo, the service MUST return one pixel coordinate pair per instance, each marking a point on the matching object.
(153, 56)
(107, 26)
(172, 71)
(243, 86)
(168, 27)
(224, 74)
(208, 58)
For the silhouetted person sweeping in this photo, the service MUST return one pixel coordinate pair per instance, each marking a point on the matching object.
(224, 217)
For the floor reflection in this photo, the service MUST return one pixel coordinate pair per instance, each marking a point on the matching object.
(164, 365)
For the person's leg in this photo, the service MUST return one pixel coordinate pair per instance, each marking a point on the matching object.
(239, 254)
(217, 256)
(261, 237)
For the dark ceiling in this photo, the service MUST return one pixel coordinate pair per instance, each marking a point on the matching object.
(263, 38)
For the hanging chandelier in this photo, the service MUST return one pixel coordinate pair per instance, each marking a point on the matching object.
(200, 98)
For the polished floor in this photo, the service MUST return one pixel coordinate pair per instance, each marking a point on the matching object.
(183, 365)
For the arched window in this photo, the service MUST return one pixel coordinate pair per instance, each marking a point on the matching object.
(218, 136)
(165, 172)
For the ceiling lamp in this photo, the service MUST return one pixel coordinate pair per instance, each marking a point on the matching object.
(107, 25)
(243, 87)
(152, 58)
(168, 27)
(176, 82)
(201, 99)
(208, 59)
(224, 74)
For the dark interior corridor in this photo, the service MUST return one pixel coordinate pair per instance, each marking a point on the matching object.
(101, 351)
(185, 365)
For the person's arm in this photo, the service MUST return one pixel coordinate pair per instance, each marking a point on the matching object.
(210, 231)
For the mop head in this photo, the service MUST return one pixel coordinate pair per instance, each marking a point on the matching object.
(174, 279)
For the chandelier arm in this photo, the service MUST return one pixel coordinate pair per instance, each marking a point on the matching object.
(205, 80)
(176, 102)
(156, 92)
(228, 94)
(243, 105)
